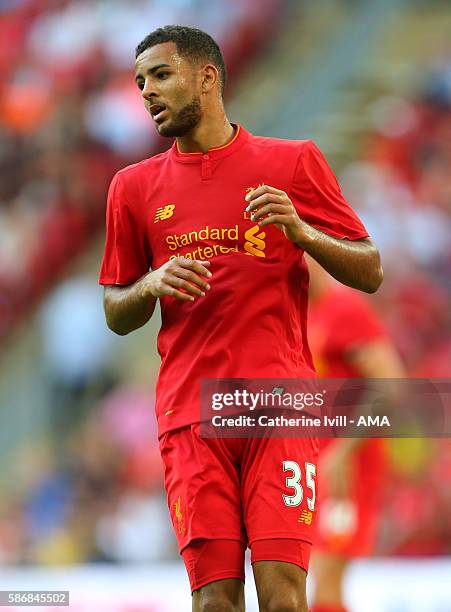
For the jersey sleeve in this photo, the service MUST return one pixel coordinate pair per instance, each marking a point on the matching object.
(318, 198)
(126, 256)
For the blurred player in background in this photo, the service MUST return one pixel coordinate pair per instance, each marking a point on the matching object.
(222, 220)
(348, 339)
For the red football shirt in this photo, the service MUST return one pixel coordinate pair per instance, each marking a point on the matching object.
(341, 321)
(252, 323)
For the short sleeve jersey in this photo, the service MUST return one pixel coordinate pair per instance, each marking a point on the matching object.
(340, 322)
(252, 323)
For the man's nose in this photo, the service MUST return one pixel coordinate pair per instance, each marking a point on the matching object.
(149, 91)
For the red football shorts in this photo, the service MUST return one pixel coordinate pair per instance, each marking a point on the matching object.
(348, 526)
(227, 494)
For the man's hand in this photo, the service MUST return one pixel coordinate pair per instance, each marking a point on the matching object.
(269, 205)
(130, 307)
(181, 278)
(355, 263)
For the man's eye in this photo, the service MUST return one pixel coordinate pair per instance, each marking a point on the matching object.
(162, 75)
(140, 85)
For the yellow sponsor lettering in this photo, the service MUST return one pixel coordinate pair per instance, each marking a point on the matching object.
(203, 234)
(233, 233)
(254, 242)
(206, 251)
(171, 243)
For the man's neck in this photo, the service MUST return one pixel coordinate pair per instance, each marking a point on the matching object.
(207, 135)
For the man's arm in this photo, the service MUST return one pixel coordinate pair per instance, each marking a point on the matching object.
(377, 359)
(128, 308)
(355, 263)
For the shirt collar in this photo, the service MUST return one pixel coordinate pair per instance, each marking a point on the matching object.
(239, 138)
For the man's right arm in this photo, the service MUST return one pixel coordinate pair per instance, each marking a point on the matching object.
(130, 307)
(378, 359)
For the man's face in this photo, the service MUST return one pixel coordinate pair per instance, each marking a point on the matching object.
(170, 86)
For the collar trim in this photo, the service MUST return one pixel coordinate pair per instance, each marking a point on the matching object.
(238, 139)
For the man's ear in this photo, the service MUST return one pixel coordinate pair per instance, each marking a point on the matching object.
(210, 77)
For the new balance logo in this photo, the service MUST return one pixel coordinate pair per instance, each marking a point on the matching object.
(306, 517)
(164, 212)
(255, 242)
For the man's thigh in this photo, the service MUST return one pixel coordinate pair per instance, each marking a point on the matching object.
(203, 491)
(216, 573)
(279, 493)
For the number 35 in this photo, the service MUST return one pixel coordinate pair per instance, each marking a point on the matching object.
(294, 482)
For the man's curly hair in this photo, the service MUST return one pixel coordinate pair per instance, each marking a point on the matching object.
(192, 44)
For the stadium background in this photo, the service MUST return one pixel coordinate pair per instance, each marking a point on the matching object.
(81, 504)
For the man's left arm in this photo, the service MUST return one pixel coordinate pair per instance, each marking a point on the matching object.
(355, 263)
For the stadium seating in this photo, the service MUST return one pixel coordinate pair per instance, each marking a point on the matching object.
(70, 117)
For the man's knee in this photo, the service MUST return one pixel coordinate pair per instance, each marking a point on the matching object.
(285, 602)
(220, 596)
(219, 604)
